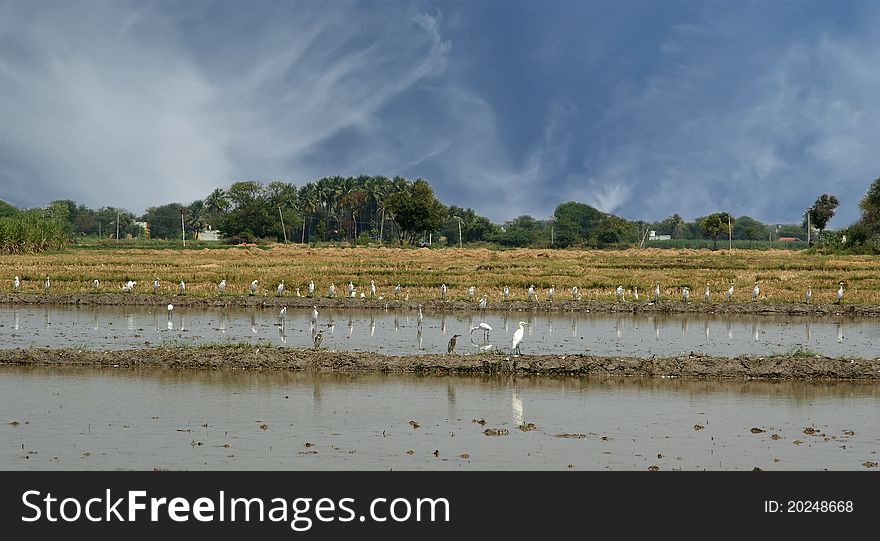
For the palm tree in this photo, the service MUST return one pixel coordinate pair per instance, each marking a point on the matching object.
(217, 204)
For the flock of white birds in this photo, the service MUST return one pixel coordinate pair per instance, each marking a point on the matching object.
(351, 292)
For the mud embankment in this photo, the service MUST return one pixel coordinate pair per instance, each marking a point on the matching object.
(257, 358)
(436, 305)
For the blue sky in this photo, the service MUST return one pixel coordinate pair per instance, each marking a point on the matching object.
(641, 108)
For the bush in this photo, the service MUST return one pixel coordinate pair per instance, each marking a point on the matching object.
(27, 233)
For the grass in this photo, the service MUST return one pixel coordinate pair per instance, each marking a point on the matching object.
(784, 274)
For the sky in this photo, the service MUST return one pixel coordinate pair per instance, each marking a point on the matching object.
(642, 108)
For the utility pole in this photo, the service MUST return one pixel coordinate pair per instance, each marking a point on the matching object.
(729, 233)
(552, 235)
(809, 229)
(182, 228)
(117, 226)
(283, 230)
(459, 231)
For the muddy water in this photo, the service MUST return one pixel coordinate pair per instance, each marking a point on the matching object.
(391, 332)
(144, 419)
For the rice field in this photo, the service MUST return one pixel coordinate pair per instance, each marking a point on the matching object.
(784, 274)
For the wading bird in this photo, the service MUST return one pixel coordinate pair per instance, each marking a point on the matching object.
(314, 314)
(311, 288)
(839, 292)
(618, 294)
(318, 338)
(706, 293)
(505, 293)
(485, 328)
(281, 315)
(443, 292)
(685, 294)
(155, 286)
(181, 287)
(420, 315)
(279, 291)
(808, 296)
(574, 293)
(128, 286)
(350, 289)
(16, 283)
(657, 292)
(470, 293)
(484, 300)
(450, 348)
(254, 287)
(550, 293)
(331, 291)
(636, 294)
(397, 291)
(170, 309)
(48, 284)
(531, 293)
(372, 290)
(221, 288)
(96, 284)
(297, 293)
(729, 293)
(518, 337)
(755, 291)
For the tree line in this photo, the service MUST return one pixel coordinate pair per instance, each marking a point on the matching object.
(377, 209)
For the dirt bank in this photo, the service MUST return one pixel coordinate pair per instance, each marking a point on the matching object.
(241, 301)
(255, 358)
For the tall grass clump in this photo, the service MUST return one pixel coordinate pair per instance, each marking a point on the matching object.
(28, 234)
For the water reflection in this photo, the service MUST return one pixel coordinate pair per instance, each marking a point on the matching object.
(393, 332)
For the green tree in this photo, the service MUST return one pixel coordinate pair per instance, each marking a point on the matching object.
(251, 211)
(713, 225)
(416, 211)
(870, 205)
(822, 211)
(164, 221)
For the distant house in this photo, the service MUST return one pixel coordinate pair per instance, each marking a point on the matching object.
(652, 235)
(788, 239)
(208, 234)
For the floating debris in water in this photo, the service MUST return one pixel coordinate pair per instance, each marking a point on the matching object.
(496, 432)
(527, 427)
(756, 430)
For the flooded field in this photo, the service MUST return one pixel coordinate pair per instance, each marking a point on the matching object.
(143, 419)
(397, 333)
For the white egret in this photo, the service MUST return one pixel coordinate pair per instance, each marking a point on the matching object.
(619, 294)
(96, 284)
(505, 293)
(352, 294)
(443, 292)
(657, 292)
(397, 291)
(279, 291)
(707, 293)
(808, 296)
(420, 315)
(254, 287)
(16, 283)
(729, 293)
(372, 290)
(318, 338)
(222, 286)
(531, 293)
(46, 284)
(485, 328)
(755, 291)
(181, 287)
(450, 348)
(636, 294)
(128, 286)
(685, 294)
(155, 286)
(839, 293)
(363, 295)
(311, 288)
(484, 300)
(550, 293)
(470, 293)
(297, 293)
(331, 291)
(314, 314)
(281, 315)
(574, 293)
(518, 337)
(170, 308)
(350, 289)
